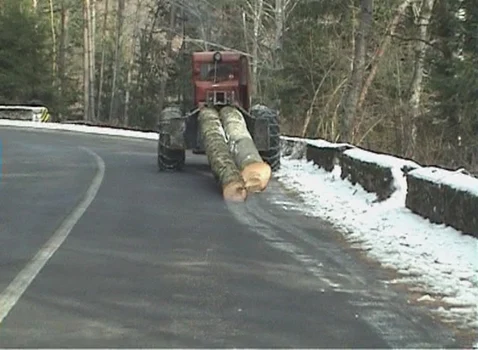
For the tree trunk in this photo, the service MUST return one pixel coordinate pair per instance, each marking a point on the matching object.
(349, 108)
(383, 47)
(145, 52)
(245, 30)
(130, 65)
(91, 56)
(416, 84)
(86, 75)
(119, 28)
(169, 51)
(53, 37)
(255, 43)
(219, 157)
(93, 27)
(62, 53)
(279, 32)
(254, 170)
(102, 64)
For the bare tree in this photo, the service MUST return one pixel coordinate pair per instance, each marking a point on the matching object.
(256, 7)
(279, 31)
(349, 106)
(53, 35)
(64, 17)
(116, 64)
(91, 55)
(134, 38)
(417, 80)
(103, 53)
(88, 62)
(165, 75)
(381, 50)
(86, 75)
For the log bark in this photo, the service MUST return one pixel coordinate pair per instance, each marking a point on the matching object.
(255, 172)
(219, 157)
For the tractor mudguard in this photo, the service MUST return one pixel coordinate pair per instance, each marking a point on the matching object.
(172, 126)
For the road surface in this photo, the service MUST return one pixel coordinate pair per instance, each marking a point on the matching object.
(98, 249)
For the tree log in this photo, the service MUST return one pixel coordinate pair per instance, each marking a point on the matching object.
(219, 157)
(254, 170)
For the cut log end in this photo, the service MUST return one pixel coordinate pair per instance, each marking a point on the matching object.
(234, 192)
(256, 176)
(254, 184)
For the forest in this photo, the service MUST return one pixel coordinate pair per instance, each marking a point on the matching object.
(391, 76)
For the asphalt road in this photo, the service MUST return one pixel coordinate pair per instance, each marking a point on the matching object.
(98, 249)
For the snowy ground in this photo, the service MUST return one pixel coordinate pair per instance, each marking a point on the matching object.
(80, 128)
(439, 261)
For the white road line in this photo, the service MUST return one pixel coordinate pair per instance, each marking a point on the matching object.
(10, 296)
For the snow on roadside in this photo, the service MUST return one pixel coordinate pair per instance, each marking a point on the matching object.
(439, 260)
(455, 179)
(80, 128)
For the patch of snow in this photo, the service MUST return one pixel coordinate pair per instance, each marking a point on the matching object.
(438, 259)
(316, 142)
(426, 298)
(383, 160)
(291, 138)
(22, 108)
(326, 144)
(80, 128)
(461, 14)
(453, 179)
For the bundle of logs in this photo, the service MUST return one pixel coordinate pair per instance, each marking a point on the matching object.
(232, 154)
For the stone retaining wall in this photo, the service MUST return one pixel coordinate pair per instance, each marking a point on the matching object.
(26, 113)
(442, 196)
(293, 148)
(376, 173)
(326, 155)
(16, 114)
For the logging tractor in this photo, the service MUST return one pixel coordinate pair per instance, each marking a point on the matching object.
(235, 136)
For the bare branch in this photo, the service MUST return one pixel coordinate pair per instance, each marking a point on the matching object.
(200, 41)
(381, 50)
(427, 42)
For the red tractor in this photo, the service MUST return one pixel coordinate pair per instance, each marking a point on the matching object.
(219, 78)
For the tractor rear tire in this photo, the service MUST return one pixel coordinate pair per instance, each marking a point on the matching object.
(273, 155)
(169, 159)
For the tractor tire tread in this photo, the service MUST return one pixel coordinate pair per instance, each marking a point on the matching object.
(170, 159)
(273, 155)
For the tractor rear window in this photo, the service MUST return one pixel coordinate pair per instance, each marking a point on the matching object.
(223, 71)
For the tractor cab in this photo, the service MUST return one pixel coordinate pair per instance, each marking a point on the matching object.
(221, 78)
